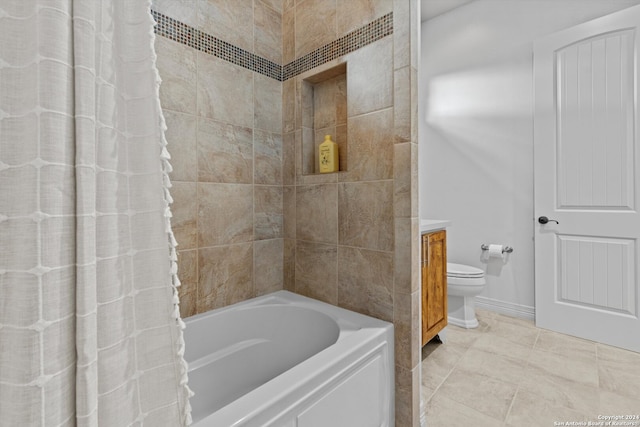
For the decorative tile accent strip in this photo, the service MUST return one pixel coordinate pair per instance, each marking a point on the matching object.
(373, 31)
(192, 37)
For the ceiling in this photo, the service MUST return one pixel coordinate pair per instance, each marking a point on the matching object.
(432, 8)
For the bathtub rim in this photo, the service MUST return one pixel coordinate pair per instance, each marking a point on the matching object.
(363, 338)
(346, 319)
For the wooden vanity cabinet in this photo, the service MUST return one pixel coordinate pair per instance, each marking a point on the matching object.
(434, 284)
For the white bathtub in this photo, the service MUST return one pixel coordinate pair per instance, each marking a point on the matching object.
(286, 360)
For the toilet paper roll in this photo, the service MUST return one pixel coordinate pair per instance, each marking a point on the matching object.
(495, 251)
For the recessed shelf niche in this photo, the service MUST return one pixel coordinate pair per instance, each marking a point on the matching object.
(324, 112)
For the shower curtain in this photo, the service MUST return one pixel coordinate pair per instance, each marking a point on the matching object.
(90, 331)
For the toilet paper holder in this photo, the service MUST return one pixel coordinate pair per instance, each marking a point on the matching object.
(507, 249)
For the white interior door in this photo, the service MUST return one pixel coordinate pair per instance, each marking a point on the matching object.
(586, 155)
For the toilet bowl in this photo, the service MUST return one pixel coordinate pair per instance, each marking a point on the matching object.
(463, 284)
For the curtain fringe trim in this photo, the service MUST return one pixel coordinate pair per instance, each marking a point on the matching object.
(171, 240)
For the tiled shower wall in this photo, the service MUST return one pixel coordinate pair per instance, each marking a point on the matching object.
(351, 239)
(247, 219)
(225, 138)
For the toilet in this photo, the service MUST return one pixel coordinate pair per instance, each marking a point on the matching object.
(464, 283)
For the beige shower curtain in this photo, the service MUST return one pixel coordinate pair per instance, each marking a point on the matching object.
(90, 332)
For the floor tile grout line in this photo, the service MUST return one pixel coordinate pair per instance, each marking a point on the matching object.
(528, 364)
(453, 368)
(448, 373)
(513, 401)
(503, 421)
(598, 368)
(467, 406)
(538, 345)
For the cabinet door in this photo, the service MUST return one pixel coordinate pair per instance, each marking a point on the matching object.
(434, 284)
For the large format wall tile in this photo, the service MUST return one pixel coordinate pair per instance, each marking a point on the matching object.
(407, 254)
(267, 221)
(370, 87)
(177, 65)
(268, 157)
(225, 152)
(225, 91)
(353, 14)
(316, 271)
(403, 40)
(315, 25)
(406, 315)
(365, 281)
(308, 161)
(289, 211)
(402, 180)
(288, 158)
(288, 105)
(276, 5)
(365, 215)
(317, 213)
(185, 11)
(225, 214)
(330, 102)
(268, 265)
(341, 100)
(407, 398)
(402, 105)
(289, 265)
(370, 147)
(268, 104)
(343, 146)
(181, 143)
(268, 32)
(288, 35)
(304, 104)
(229, 20)
(405, 160)
(225, 275)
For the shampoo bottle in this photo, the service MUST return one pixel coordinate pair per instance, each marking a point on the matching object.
(328, 155)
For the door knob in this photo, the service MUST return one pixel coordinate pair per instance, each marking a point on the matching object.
(544, 220)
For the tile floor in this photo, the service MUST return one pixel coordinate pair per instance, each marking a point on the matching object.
(507, 372)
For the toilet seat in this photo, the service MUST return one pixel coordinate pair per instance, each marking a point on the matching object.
(463, 271)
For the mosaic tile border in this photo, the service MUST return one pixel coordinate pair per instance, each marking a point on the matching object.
(373, 31)
(192, 37)
(199, 40)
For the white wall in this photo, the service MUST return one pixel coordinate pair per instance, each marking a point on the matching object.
(476, 131)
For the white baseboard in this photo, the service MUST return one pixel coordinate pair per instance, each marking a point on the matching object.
(507, 308)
